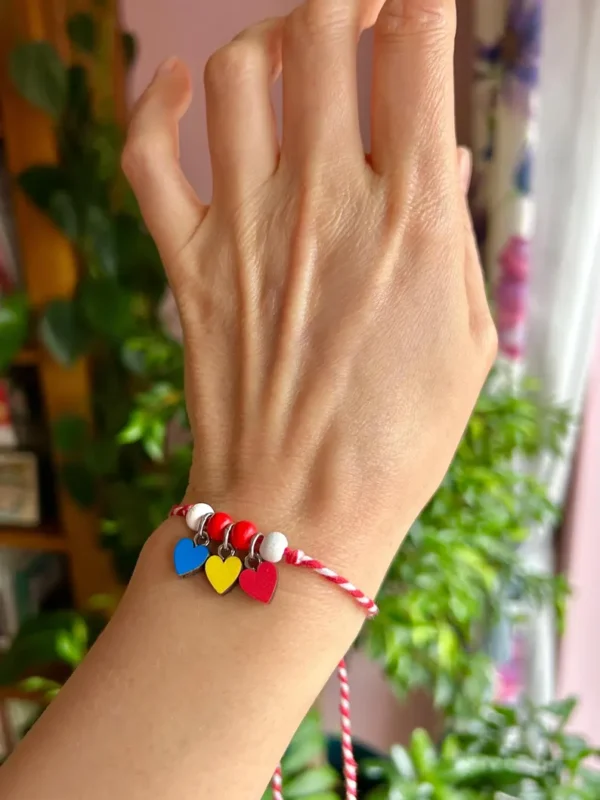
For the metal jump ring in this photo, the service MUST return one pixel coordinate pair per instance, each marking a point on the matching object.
(226, 550)
(201, 537)
(253, 559)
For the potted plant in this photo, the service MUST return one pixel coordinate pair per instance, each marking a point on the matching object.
(502, 754)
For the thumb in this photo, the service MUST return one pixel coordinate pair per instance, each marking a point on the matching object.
(169, 205)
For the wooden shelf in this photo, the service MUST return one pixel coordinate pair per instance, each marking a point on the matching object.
(27, 356)
(44, 538)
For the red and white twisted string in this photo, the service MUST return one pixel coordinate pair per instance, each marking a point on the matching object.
(297, 558)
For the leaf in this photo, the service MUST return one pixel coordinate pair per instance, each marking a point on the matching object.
(308, 783)
(130, 49)
(304, 753)
(40, 76)
(61, 211)
(102, 456)
(14, 320)
(562, 708)
(470, 770)
(447, 647)
(28, 652)
(61, 331)
(100, 245)
(154, 440)
(423, 753)
(575, 749)
(79, 482)
(82, 31)
(71, 434)
(69, 649)
(48, 188)
(106, 307)
(402, 762)
(37, 684)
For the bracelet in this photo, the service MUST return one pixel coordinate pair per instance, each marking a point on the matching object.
(257, 577)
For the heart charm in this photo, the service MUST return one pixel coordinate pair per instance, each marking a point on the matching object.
(222, 575)
(188, 558)
(261, 583)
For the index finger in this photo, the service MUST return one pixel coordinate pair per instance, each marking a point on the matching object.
(412, 106)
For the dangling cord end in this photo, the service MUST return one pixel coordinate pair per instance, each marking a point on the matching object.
(350, 766)
(277, 784)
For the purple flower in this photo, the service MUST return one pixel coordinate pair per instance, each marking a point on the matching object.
(517, 52)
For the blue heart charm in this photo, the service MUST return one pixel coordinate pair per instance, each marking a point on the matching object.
(188, 557)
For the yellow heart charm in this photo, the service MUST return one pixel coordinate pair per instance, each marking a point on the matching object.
(222, 575)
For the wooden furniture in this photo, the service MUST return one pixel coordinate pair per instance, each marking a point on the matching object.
(50, 271)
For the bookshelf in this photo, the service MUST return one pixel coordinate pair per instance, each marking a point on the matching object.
(49, 270)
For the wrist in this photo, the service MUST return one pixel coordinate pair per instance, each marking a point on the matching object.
(302, 597)
(359, 545)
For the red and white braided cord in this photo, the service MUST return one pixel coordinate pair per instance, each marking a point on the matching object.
(277, 784)
(297, 558)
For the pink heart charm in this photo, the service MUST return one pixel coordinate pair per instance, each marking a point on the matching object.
(260, 584)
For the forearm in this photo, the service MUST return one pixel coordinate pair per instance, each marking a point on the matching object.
(186, 694)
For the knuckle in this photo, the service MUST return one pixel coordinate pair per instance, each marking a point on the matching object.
(138, 150)
(316, 19)
(230, 64)
(402, 18)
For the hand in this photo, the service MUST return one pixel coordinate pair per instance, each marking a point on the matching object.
(334, 316)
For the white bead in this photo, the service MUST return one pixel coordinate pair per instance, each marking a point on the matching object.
(195, 514)
(273, 547)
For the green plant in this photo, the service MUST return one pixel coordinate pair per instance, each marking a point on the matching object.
(307, 776)
(460, 562)
(510, 753)
(124, 462)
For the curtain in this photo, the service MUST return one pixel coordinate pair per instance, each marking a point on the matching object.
(506, 117)
(537, 216)
(564, 329)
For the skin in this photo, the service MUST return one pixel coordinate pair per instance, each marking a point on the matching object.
(337, 336)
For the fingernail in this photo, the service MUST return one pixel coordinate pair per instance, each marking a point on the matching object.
(465, 168)
(167, 66)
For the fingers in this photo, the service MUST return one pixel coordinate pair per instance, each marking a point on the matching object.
(320, 106)
(241, 123)
(412, 112)
(150, 160)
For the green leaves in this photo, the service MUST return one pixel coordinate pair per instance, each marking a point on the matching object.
(40, 76)
(98, 242)
(460, 562)
(42, 642)
(306, 774)
(501, 752)
(47, 186)
(62, 332)
(80, 482)
(14, 321)
(106, 307)
(148, 422)
(71, 434)
(82, 32)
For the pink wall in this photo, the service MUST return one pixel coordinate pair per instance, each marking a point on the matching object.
(192, 29)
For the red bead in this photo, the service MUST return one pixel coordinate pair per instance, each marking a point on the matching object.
(242, 535)
(216, 525)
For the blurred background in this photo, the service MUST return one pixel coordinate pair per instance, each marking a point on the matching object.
(479, 677)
